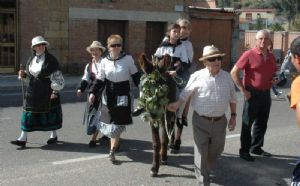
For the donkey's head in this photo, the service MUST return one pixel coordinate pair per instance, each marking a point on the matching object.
(148, 66)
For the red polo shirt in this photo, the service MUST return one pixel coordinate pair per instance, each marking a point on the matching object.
(258, 73)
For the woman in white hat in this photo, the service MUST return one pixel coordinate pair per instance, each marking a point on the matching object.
(92, 69)
(42, 109)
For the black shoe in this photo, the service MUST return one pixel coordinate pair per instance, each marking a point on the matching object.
(111, 155)
(184, 121)
(19, 143)
(138, 111)
(261, 152)
(52, 140)
(246, 156)
(171, 146)
(92, 144)
(176, 146)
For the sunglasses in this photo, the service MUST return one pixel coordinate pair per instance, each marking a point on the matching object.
(115, 45)
(212, 59)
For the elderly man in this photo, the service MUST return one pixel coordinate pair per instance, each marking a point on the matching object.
(259, 67)
(212, 90)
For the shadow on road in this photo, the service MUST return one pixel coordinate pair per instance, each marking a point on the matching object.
(233, 171)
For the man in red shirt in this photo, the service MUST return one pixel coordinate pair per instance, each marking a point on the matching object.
(259, 68)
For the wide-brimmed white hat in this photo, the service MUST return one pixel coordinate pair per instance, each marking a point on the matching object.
(210, 51)
(95, 44)
(39, 40)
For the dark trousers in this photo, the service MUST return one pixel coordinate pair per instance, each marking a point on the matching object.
(256, 112)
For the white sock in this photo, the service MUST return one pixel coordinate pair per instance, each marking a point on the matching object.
(53, 134)
(23, 136)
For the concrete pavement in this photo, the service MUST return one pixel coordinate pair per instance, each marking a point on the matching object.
(72, 162)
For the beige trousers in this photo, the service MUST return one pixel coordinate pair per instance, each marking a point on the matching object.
(209, 137)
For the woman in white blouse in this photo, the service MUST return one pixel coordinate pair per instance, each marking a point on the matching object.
(42, 109)
(92, 69)
(116, 70)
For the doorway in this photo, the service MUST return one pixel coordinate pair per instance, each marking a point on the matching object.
(8, 49)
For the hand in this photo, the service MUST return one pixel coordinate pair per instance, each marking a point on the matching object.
(21, 74)
(232, 123)
(275, 80)
(172, 73)
(53, 96)
(247, 94)
(173, 107)
(79, 93)
(91, 98)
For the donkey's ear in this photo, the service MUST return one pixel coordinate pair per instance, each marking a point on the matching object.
(167, 58)
(145, 64)
(142, 57)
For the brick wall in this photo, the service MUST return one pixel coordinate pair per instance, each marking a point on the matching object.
(70, 35)
(81, 35)
(48, 18)
(146, 5)
(137, 37)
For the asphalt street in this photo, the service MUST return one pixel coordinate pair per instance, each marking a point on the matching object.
(72, 162)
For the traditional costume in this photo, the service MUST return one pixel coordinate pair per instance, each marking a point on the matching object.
(40, 113)
(116, 109)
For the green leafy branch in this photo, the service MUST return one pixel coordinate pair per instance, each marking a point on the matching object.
(154, 97)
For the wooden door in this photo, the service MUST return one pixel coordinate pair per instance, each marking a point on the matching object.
(8, 62)
(155, 32)
(212, 32)
(109, 27)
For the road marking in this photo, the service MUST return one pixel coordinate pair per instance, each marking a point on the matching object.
(5, 118)
(233, 136)
(75, 160)
(79, 159)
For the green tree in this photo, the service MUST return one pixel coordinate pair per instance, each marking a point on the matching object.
(289, 9)
(259, 24)
(276, 27)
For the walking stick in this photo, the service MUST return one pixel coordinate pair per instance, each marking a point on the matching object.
(22, 84)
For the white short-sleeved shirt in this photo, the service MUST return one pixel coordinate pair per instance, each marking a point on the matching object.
(117, 71)
(95, 69)
(189, 49)
(211, 95)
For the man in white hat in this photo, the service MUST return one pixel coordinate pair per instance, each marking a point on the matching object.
(212, 90)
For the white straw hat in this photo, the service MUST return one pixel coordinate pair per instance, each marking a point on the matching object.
(95, 44)
(39, 40)
(210, 51)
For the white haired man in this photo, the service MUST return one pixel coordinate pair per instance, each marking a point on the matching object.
(259, 72)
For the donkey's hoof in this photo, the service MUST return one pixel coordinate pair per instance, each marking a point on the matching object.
(164, 162)
(153, 172)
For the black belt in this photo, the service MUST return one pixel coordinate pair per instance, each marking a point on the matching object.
(257, 90)
(212, 119)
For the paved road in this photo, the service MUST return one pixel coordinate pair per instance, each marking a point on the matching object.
(71, 162)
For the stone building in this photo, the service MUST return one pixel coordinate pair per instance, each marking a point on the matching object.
(71, 25)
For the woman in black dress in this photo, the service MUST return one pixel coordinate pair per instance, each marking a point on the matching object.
(42, 109)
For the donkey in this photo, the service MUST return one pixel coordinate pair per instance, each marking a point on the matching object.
(164, 120)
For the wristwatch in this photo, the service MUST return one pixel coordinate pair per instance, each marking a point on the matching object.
(233, 114)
